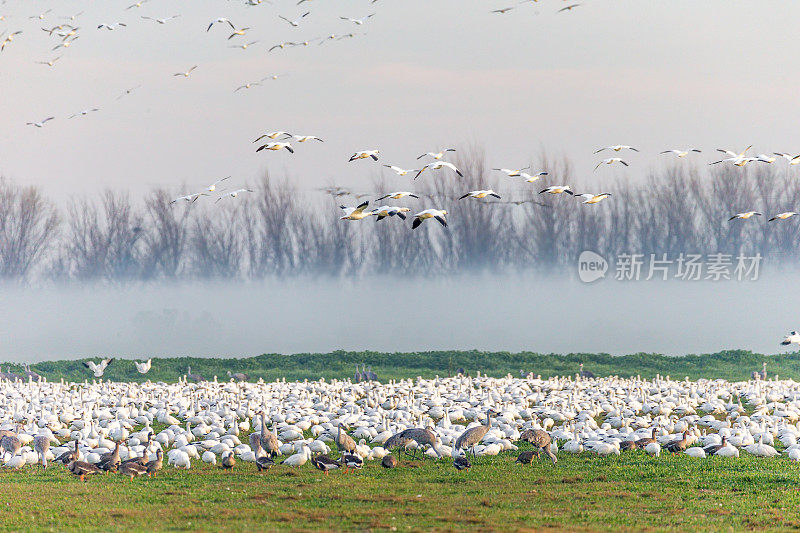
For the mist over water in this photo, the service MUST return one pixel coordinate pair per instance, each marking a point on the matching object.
(508, 312)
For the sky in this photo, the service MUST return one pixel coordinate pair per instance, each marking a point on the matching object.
(419, 75)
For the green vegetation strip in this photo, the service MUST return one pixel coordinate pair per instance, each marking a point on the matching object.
(732, 365)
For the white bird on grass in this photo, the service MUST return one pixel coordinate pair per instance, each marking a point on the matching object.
(437, 214)
(437, 165)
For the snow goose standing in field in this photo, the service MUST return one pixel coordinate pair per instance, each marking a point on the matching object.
(143, 368)
(653, 449)
(438, 214)
(792, 338)
(617, 148)
(557, 189)
(356, 213)
(298, 459)
(437, 155)
(611, 161)
(681, 153)
(593, 198)
(696, 452)
(783, 216)
(744, 216)
(480, 194)
(398, 195)
(98, 368)
(276, 146)
(437, 165)
(364, 154)
(759, 449)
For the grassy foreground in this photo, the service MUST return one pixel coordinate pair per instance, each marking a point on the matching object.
(731, 365)
(631, 492)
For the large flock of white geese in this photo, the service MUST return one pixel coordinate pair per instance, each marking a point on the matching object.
(135, 429)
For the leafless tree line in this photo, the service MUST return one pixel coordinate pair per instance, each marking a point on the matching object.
(280, 231)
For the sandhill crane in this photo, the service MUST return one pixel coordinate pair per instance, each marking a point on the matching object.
(197, 378)
(41, 445)
(10, 444)
(473, 436)
(269, 441)
(238, 376)
(584, 373)
(760, 375)
(33, 376)
(344, 442)
(541, 441)
(422, 436)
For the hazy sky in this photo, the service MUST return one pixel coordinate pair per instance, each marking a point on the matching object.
(427, 74)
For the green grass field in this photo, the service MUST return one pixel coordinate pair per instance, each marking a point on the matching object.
(731, 365)
(631, 492)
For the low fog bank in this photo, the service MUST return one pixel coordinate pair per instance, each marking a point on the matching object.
(511, 313)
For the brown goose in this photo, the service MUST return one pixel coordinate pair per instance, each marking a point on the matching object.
(228, 460)
(680, 445)
(641, 443)
(714, 448)
(628, 445)
(525, 457)
(155, 465)
(132, 469)
(541, 442)
(264, 462)
(461, 463)
(109, 461)
(351, 462)
(83, 469)
(389, 461)
(325, 463)
(142, 460)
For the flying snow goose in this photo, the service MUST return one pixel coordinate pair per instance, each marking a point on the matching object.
(363, 154)
(41, 123)
(189, 198)
(144, 368)
(356, 213)
(438, 214)
(792, 338)
(400, 171)
(397, 195)
(611, 161)
(276, 146)
(783, 216)
(233, 194)
(557, 189)
(480, 194)
(389, 211)
(161, 21)
(98, 368)
(221, 20)
(792, 159)
(111, 26)
(50, 63)
(616, 148)
(274, 135)
(437, 155)
(360, 21)
(530, 178)
(745, 215)
(437, 165)
(304, 138)
(213, 186)
(593, 198)
(185, 74)
(512, 173)
(296, 22)
(681, 153)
